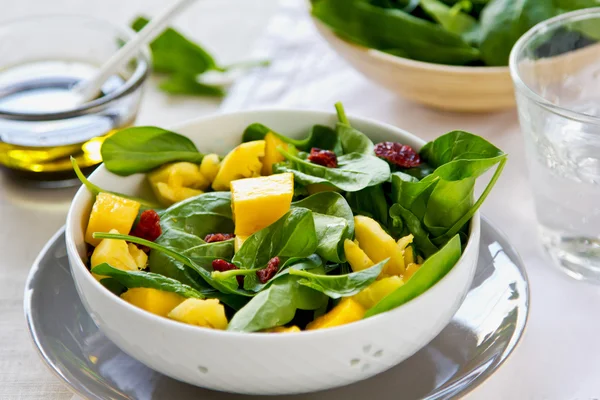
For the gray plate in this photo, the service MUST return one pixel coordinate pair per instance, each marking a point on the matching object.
(480, 337)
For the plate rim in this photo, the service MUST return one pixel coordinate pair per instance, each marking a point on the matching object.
(463, 391)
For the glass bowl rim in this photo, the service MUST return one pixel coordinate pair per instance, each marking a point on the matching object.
(543, 27)
(138, 77)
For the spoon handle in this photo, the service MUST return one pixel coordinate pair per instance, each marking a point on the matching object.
(89, 88)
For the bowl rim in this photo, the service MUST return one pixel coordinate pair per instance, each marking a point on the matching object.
(129, 85)
(472, 243)
(423, 65)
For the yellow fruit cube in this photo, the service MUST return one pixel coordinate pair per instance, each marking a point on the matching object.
(179, 174)
(283, 329)
(272, 155)
(238, 242)
(410, 271)
(356, 257)
(409, 256)
(208, 313)
(258, 202)
(378, 245)
(138, 255)
(152, 300)
(209, 167)
(245, 161)
(169, 195)
(347, 311)
(114, 252)
(111, 212)
(377, 290)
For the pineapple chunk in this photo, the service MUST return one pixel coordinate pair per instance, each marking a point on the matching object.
(410, 271)
(169, 195)
(283, 329)
(114, 252)
(272, 155)
(238, 242)
(140, 258)
(347, 311)
(356, 257)
(153, 300)
(258, 202)
(242, 162)
(111, 212)
(208, 313)
(378, 245)
(209, 167)
(377, 290)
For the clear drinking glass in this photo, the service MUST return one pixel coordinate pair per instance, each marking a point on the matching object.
(41, 123)
(555, 68)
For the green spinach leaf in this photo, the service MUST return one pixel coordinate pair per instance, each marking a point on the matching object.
(320, 136)
(432, 270)
(189, 85)
(370, 201)
(142, 279)
(143, 148)
(336, 286)
(406, 222)
(450, 18)
(351, 140)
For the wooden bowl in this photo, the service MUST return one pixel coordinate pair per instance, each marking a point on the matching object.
(446, 87)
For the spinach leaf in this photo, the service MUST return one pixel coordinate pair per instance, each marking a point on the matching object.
(336, 286)
(276, 305)
(142, 279)
(174, 53)
(113, 285)
(228, 286)
(352, 140)
(293, 235)
(412, 193)
(143, 148)
(334, 222)
(406, 222)
(189, 85)
(320, 136)
(503, 22)
(433, 269)
(450, 18)
(371, 202)
(95, 189)
(355, 171)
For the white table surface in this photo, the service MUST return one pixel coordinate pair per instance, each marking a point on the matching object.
(557, 358)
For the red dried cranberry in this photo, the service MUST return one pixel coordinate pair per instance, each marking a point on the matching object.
(400, 154)
(267, 273)
(148, 227)
(218, 237)
(325, 158)
(222, 266)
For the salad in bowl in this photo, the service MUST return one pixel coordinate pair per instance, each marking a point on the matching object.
(326, 237)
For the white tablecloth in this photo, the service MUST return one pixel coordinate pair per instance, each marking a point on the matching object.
(558, 355)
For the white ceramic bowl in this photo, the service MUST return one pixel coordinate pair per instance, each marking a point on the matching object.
(262, 363)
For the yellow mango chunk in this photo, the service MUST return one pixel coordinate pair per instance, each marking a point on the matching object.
(347, 311)
(356, 257)
(377, 290)
(283, 329)
(410, 271)
(238, 242)
(258, 202)
(138, 255)
(320, 187)
(114, 252)
(209, 167)
(245, 161)
(179, 174)
(272, 155)
(409, 256)
(152, 300)
(208, 313)
(111, 212)
(378, 245)
(169, 195)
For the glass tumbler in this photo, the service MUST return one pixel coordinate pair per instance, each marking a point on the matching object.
(555, 68)
(41, 122)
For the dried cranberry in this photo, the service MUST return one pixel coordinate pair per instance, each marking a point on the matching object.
(400, 154)
(221, 265)
(148, 227)
(325, 158)
(218, 237)
(267, 273)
